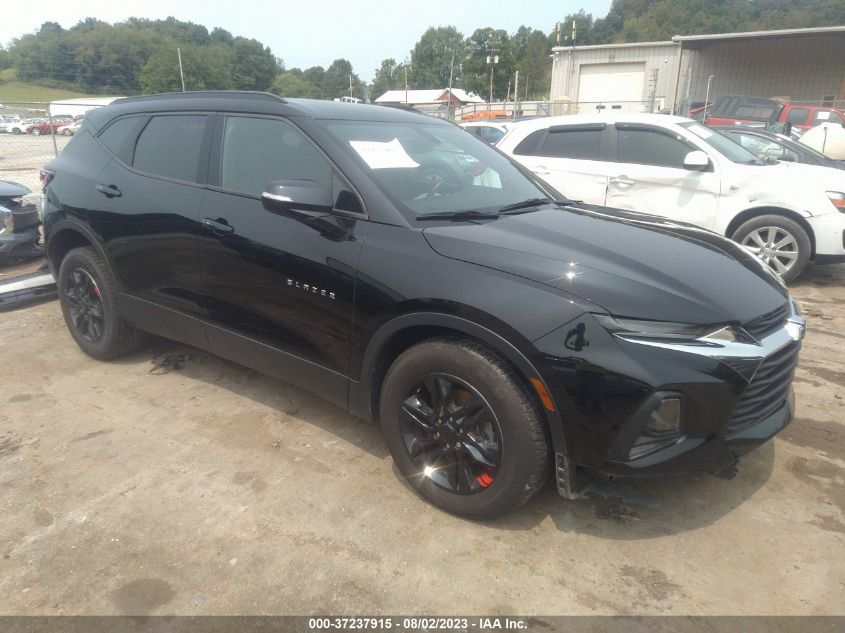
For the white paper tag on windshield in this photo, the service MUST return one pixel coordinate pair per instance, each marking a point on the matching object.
(390, 155)
(822, 115)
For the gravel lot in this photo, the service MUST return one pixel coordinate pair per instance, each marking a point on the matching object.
(214, 490)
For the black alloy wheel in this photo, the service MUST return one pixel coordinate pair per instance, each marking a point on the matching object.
(462, 429)
(451, 434)
(90, 301)
(85, 305)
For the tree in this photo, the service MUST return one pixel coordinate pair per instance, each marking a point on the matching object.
(431, 59)
(205, 68)
(292, 84)
(389, 76)
(335, 81)
(4, 58)
(531, 48)
(476, 71)
(254, 66)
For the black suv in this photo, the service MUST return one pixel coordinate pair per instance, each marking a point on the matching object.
(409, 272)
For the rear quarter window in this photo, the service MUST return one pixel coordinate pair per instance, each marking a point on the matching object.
(116, 137)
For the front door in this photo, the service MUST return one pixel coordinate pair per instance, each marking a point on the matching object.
(649, 177)
(271, 279)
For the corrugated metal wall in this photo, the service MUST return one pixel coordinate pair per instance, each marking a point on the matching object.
(804, 69)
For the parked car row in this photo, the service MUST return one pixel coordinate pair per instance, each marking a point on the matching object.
(66, 126)
(787, 213)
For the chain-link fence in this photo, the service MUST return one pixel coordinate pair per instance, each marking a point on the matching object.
(31, 135)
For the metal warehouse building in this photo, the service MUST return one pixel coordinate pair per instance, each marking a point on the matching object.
(806, 65)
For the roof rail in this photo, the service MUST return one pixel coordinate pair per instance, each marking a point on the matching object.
(206, 94)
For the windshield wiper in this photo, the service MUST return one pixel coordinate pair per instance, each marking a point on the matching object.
(458, 215)
(508, 209)
(532, 202)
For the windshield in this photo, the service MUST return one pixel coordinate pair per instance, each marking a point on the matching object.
(427, 168)
(727, 147)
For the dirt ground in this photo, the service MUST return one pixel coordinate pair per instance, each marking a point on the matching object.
(214, 490)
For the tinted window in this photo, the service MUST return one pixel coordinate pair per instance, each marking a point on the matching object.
(529, 145)
(170, 146)
(648, 147)
(256, 151)
(797, 116)
(491, 134)
(114, 137)
(583, 144)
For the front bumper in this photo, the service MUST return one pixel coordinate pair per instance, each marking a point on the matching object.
(734, 396)
(829, 236)
(19, 244)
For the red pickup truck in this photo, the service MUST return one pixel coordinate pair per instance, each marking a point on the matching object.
(733, 109)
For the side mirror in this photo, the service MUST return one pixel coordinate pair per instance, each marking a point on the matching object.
(697, 161)
(283, 196)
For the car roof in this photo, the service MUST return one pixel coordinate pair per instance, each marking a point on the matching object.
(257, 103)
(663, 120)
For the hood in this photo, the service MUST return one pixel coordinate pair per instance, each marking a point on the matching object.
(10, 189)
(632, 265)
(793, 177)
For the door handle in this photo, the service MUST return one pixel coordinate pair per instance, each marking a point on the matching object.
(622, 181)
(109, 191)
(219, 225)
(541, 170)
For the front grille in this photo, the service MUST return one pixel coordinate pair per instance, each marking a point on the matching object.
(769, 322)
(768, 390)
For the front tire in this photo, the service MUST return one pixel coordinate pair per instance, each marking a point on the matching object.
(89, 297)
(36, 132)
(779, 241)
(462, 429)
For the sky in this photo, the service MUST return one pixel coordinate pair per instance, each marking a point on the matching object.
(313, 32)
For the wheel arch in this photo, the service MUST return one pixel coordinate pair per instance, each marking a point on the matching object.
(748, 214)
(402, 332)
(64, 237)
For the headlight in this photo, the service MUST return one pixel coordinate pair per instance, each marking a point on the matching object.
(837, 199)
(665, 330)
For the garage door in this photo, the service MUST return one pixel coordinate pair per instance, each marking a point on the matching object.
(611, 87)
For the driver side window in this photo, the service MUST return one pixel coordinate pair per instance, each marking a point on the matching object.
(259, 150)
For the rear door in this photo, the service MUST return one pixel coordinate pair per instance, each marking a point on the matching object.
(279, 290)
(571, 158)
(649, 176)
(147, 214)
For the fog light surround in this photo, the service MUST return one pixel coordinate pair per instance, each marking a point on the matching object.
(662, 429)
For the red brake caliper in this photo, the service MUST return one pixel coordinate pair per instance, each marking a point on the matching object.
(484, 480)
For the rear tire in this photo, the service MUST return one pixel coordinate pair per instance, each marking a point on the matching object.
(484, 463)
(90, 301)
(779, 241)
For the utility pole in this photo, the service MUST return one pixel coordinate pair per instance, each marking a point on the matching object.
(406, 82)
(451, 71)
(181, 74)
(492, 60)
(516, 95)
(350, 86)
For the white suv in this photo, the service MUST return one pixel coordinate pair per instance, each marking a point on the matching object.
(786, 213)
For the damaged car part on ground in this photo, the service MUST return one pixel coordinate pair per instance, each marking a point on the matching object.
(499, 333)
(19, 223)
